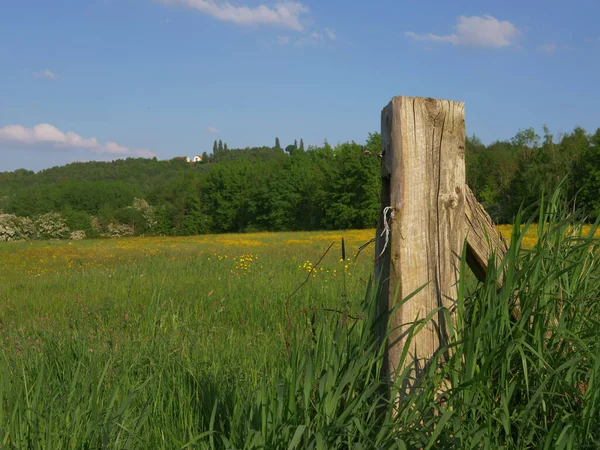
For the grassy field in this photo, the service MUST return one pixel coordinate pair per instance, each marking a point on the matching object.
(223, 297)
(198, 342)
(212, 310)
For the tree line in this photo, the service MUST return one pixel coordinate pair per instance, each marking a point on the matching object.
(237, 190)
(507, 174)
(277, 189)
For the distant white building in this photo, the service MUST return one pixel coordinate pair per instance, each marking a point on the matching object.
(197, 158)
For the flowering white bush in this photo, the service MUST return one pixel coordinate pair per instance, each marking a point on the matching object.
(27, 227)
(13, 228)
(77, 235)
(147, 212)
(52, 226)
(114, 230)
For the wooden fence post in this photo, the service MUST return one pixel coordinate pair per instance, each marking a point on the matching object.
(426, 214)
(423, 174)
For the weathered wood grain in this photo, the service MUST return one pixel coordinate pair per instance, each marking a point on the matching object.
(482, 238)
(423, 175)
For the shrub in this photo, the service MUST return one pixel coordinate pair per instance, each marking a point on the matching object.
(52, 226)
(13, 228)
(77, 235)
(78, 220)
(146, 211)
(115, 230)
(140, 216)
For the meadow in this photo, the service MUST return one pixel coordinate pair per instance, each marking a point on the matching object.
(266, 341)
(226, 297)
(215, 307)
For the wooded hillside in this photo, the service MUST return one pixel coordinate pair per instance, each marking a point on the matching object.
(269, 188)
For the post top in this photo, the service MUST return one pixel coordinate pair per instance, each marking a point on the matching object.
(418, 98)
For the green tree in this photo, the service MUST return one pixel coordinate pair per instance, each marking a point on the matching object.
(352, 187)
(106, 215)
(277, 145)
(374, 143)
(234, 193)
(584, 151)
(132, 217)
(185, 208)
(302, 144)
(78, 220)
(163, 218)
(474, 151)
(526, 138)
(541, 169)
(490, 171)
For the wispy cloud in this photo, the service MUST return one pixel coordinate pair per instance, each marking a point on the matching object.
(46, 73)
(213, 130)
(283, 40)
(285, 14)
(589, 40)
(316, 38)
(47, 136)
(551, 48)
(475, 31)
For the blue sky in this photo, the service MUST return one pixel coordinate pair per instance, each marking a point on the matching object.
(102, 79)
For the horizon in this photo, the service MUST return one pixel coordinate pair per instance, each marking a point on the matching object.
(165, 78)
(191, 156)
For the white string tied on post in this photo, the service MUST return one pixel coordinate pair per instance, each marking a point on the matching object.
(386, 226)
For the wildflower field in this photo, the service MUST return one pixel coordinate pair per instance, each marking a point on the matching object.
(236, 341)
(223, 297)
(214, 309)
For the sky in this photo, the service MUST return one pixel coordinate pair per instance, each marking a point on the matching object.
(88, 80)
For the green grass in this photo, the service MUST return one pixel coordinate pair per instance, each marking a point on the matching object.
(146, 343)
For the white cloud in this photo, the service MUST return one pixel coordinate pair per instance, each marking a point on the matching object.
(46, 73)
(285, 14)
(213, 130)
(316, 38)
(589, 40)
(45, 135)
(475, 31)
(552, 47)
(283, 40)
